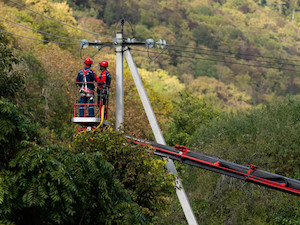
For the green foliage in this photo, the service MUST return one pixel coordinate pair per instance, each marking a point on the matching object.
(218, 199)
(189, 113)
(11, 82)
(214, 27)
(58, 11)
(206, 68)
(161, 82)
(144, 177)
(36, 81)
(47, 106)
(14, 127)
(205, 35)
(268, 134)
(53, 185)
(267, 137)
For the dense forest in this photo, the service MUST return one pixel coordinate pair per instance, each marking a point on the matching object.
(226, 85)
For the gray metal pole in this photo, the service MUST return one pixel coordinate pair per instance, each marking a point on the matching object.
(119, 83)
(187, 209)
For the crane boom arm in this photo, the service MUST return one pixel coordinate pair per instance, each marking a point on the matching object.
(249, 173)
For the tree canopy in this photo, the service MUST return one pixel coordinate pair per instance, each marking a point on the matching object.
(227, 85)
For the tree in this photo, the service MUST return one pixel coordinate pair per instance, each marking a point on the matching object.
(266, 137)
(144, 177)
(52, 185)
(14, 126)
(11, 82)
(100, 179)
(268, 133)
(189, 113)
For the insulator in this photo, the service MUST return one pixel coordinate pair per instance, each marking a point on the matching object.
(149, 43)
(98, 46)
(117, 43)
(84, 43)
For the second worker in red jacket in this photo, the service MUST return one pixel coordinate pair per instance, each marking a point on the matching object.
(105, 77)
(104, 80)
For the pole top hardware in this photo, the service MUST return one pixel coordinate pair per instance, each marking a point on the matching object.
(84, 43)
(99, 46)
(132, 40)
(117, 43)
(149, 43)
(161, 44)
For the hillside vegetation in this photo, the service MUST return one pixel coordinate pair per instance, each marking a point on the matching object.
(216, 39)
(227, 85)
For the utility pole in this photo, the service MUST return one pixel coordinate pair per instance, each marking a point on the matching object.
(119, 83)
(187, 209)
(123, 46)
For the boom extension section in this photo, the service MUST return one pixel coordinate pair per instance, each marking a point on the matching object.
(249, 173)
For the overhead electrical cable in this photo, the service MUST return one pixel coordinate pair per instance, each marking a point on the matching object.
(224, 61)
(218, 55)
(57, 42)
(71, 39)
(234, 53)
(59, 21)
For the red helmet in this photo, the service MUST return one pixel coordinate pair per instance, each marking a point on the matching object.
(88, 62)
(103, 63)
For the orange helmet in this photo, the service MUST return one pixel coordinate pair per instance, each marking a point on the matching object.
(88, 62)
(103, 63)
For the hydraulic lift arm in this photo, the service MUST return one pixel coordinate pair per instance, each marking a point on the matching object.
(249, 173)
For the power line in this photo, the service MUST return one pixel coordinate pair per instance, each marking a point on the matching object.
(201, 53)
(59, 21)
(235, 53)
(214, 60)
(226, 52)
(38, 30)
(57, 42)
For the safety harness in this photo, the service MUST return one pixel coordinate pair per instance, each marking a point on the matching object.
(84, 90)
